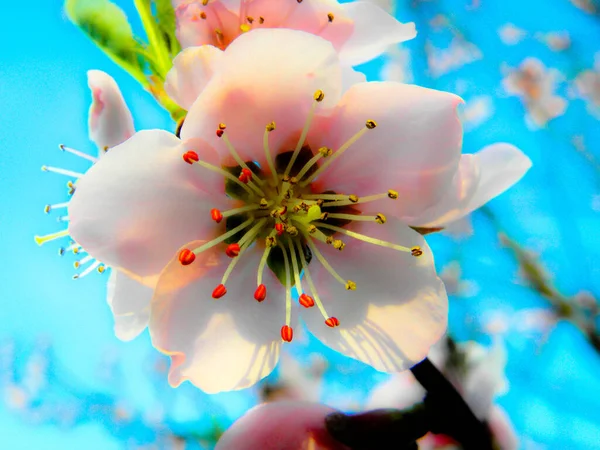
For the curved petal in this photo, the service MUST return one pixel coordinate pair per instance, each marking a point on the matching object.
(191, 71)
(374, 31)
(415, 148)
(137, 205)
(502, 429)
(197, 23)
(285, 425)
(480, 178)
(110, 121)
(350, 77)
(399, 308)
(218, 345)
(265, 75)
(129, 302)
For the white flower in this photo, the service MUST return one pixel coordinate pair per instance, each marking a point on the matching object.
(253, 202)
(535, 85)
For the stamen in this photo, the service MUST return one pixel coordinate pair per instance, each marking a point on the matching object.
(362, 237)
(368, 126)
(332, 322)
(186, 257)
(279, 228)
(232, 250)
(91, 158)
(416, 251)
(318, 97)
(311, 285)
(219, 291)
(261, 20)
(236, 155)
(191, 157)
(379, 218)
(260, 293)
(223, 237)
(288, 290)
(370, 198)
(324, 262)
(40, 240)
(88, 270)
(49, 208)
(330, 17)
(62, 219)
(287, 333)
(243, 243)
(216, 215)
(296, 272)
(227, 175)
(269, 243)
(270, 127)
(325, 197)
(241, 209)
(306, 300)
(82, 261)
(60, 171)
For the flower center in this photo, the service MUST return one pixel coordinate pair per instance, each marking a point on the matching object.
(282, 212)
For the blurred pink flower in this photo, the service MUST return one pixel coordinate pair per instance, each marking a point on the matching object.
(587, 83)
(284, 425)
(286, 201)
(535, 85)
(359, 31)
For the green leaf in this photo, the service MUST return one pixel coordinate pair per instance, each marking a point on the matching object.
(106, 24)
(167, 24)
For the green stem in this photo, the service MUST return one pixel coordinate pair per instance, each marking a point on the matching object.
(157, 46)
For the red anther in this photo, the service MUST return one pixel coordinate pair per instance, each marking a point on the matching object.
(332, 322)
(307, 301)
(232, 250)
(283, 211)
(186, 257)
(220, 132)
(279, 228)
(216, 215)
(247, 172)
(287, 333)
(243, 178)
(219, 291)
(190, 157)
(260, 293)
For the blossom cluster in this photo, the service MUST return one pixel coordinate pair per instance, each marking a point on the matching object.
(293, 191)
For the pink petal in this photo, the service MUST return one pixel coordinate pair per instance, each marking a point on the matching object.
(192, 70)
(415, 148)
(284, 425)
(374, 31)
(193, 30)
(480, 178)
(110, 121)
(129, 302)
(399, 309)
(246, 97)
(135, 207)
(218, 345)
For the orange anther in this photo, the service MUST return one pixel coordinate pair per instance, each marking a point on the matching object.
(332, 322)
(279, 228)
(190, 157)
(232, 250)
(261, 293)
(219, 291)
(287, 333)
(186, 257)
(216, 215)
(243, 178)
(306, 300)
(247, 172)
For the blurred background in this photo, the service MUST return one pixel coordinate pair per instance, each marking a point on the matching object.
(523, 271)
